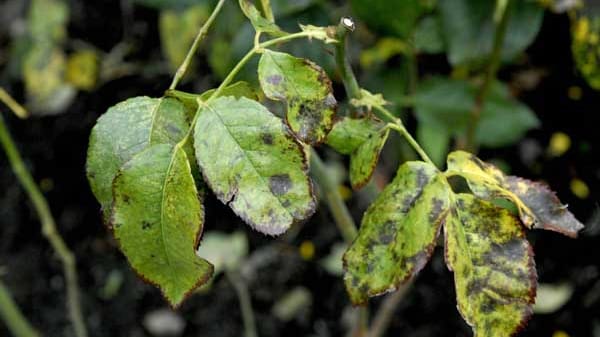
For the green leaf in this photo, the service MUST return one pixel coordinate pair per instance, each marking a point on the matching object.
(538, 205)
(428, 35)
(253, 164)
(398, 232)
(306, 89)
(350, 133)
(397, 18)
(125, 130)
(469, 27)
(259, 22)
(157, 219)
(447, 104)
(435, 141)
(178, 30)
(364, 160)
(494, 270)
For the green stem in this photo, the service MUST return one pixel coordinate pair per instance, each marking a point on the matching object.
(13, 317)
(13, 105)
(48, 229)
(331, 194)
(396, 124)
(190, 54)
(245, 303)
(490, 76)
(343, 63)
(265, 8)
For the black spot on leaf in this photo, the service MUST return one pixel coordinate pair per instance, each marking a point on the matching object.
(280, 184)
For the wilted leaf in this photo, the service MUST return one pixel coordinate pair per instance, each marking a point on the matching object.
(390, 17)
(494, 270)
(306, 89)
(364, 159)
(178, 30)
(157, 219)
(225, 251)
(398, 232)
(125, 130)
(469, 28)
(447, 104)
(259, 22)
(538, 205)
(253, 163)
(349, 134)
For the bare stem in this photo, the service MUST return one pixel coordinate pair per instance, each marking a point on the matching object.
(48, 229)
(13, 105)
(13, 317)
(199, 37)
(490, 76)
(245, 303)
(332, 197)
(343, 63)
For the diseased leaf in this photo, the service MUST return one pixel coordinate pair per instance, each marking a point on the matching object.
(125, 130)
(538, 205)
(364, 159)
(586, 53)
(398, 232)
(494, 270)
(157, 219)
(254, 164)
(350, 133)
(306, 89)
(259, 22)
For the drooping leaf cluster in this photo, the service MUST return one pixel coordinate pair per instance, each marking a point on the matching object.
(150, 161)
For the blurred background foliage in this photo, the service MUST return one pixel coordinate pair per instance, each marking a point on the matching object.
(72, 59)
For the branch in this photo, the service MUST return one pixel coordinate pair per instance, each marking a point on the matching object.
(190, 54)
(48, 229)
(245, 303)
(490, 76)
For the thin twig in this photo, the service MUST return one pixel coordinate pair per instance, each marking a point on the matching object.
(13, 317)
(48, 229)
(241, 290)
(13, 105)
(199, 37)
(490, 76)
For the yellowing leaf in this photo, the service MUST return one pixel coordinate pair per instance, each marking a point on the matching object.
(157, 219)
(494, 270)
(253, 164)
(538, 205)
(398, 232)
(306, 89)
(365, 158)
(82, 69)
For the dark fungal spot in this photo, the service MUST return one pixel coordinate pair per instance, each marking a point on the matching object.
(280, 184)
(274, 79)
(436, 209)
(172, 129)
(146, 225)
(267, 138)
(126, 198)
